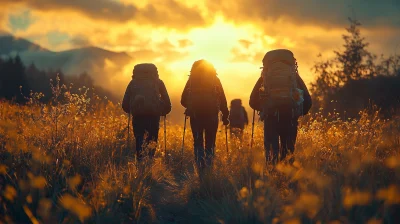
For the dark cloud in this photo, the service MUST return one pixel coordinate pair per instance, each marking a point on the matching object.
(97, 9)
(169, 13)
(320, 12)
(173, 14)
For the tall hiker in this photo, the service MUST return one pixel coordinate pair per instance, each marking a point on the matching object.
(203, 98)
(238, 118)
(146, 99)
(281, 97)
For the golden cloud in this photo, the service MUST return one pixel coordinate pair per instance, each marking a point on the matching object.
(165, 13)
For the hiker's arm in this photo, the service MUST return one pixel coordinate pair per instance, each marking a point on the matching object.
(185, 95)
(255, 102)
(165, 99)
(127, 99)
(307, 97)
(223, 105)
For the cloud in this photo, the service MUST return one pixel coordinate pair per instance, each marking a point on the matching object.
(97, 9)
(161, 13)
(185, 43)
(56, 38)
(313, 12)
(20, 20)
(173, 14)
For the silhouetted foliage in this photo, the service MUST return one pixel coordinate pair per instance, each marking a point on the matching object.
(12, 79)
(16, 82)
(355, 79)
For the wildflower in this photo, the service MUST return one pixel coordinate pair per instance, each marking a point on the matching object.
(244, 193)
(374, 221)
(44, 207)
(10, 193)
(3, 169)
(259, 184)
(257, 168)
(308, 203)
(29, 199)
(38, 182)
(74, 181)
(352, 198)
(393, 162)
(76, 206)
(390, 195)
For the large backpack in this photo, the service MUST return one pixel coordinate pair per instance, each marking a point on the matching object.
(144, 91)
(203, 91)
(279, 86)
(237, 116)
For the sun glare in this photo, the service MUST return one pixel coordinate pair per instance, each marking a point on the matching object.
(213, 43)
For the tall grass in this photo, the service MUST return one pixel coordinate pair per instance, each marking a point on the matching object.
(70, 162)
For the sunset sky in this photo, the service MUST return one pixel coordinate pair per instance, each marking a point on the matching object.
(233, 35)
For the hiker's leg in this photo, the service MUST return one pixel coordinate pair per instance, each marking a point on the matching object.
(288, 133)
(197, 131)
(283, 144)
(138, 132)
(292, 137)
(153, 128)
(271, 140)
(210, 137)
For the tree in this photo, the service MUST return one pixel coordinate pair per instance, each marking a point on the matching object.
(13, 80)
(354, 62)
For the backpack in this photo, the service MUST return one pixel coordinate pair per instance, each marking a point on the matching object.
(279, 87)
(144, 91)
(236, 116)
(203, 92)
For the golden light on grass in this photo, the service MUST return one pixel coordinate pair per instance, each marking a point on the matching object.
(44, 207)
(3, 169)
(29, 213)
(352, 198)
(390, 195)
(94, 163)
(10, 193)
(76, 206)
(38, 182)
(74, 181)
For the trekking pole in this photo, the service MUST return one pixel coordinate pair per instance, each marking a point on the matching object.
(183, 140)
(128, 140)
(252, 130)
(226, 137)
(165, 136)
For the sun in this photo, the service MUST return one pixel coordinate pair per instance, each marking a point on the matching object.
(215, 44)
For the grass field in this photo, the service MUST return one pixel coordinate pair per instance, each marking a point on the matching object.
(70, 162)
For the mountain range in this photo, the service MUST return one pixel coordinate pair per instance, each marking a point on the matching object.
(71, 62)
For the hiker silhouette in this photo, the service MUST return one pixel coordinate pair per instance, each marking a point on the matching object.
(204, 97)
(281, 97)
(146, 99)
(238, 118)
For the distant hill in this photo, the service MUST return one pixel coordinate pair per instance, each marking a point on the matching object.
(10, 44)
(75, 61)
